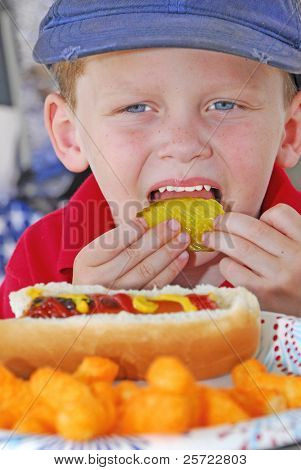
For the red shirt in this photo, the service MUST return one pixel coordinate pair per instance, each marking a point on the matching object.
(46, 251)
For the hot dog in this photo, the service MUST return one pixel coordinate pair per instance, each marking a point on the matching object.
(210, 329)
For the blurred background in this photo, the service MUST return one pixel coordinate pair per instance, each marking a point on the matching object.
(32, 180)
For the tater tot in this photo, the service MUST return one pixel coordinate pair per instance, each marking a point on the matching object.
(81, 420)
(259, 402)
(254, 376)
(196, 404)
(65, 394)
(57, 388)
(39, 415)
(244, 374)
(87, 404)
(220, 408)
(7, 418)
(15, 399)
(10, 385)
(5, 376)
(290, 386)
(34, 425)
(94, 368)
(106, 396)
(125, 391)
(292, 390)
(153, 411)
(170, 375)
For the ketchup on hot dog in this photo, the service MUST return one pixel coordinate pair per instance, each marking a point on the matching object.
(70, 305)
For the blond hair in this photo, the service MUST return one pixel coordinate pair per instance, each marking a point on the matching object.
(67, 73)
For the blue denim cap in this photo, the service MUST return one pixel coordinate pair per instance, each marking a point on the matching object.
(268, 31)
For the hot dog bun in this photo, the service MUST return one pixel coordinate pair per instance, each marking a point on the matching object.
(209, 342)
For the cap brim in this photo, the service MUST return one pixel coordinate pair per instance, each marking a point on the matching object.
(142, 30)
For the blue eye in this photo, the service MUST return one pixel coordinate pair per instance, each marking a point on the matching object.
(136, 108)
(222, 106)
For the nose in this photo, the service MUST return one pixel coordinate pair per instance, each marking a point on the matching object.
(184, 141)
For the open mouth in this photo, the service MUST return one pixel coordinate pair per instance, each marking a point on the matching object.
(201, 191)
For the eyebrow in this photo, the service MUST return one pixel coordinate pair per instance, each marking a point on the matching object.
(124, 89)
(244, 87)
(237, 90)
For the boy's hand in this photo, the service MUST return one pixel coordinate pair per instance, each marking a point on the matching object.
(133, 257)
(263, 255)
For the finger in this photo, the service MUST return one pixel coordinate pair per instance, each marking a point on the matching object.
(150, 267)
(285, 219)
(151, 242)
(111, 243)
(239, 275)
(243, 251)
(168, 274)
(256, 231)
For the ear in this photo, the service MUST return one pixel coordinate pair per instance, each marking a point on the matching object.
(290, 149)
(60, 124)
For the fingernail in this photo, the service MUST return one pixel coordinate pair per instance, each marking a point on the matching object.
(217, 220)
(183, 256)
(183, 237)
(205, 238)
(174, 225)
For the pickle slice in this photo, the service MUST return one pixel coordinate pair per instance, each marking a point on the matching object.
(195, 215)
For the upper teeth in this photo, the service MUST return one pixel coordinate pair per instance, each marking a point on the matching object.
(178, 189)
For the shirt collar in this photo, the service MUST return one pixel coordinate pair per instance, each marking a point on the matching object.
(86, 216)
(281, 191)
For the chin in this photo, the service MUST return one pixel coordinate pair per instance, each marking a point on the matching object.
(200, 258)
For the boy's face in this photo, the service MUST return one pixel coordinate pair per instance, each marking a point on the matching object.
(148, 116)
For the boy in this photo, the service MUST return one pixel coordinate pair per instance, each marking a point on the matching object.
(167, 99)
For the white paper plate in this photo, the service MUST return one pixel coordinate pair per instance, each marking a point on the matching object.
(280, 351)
